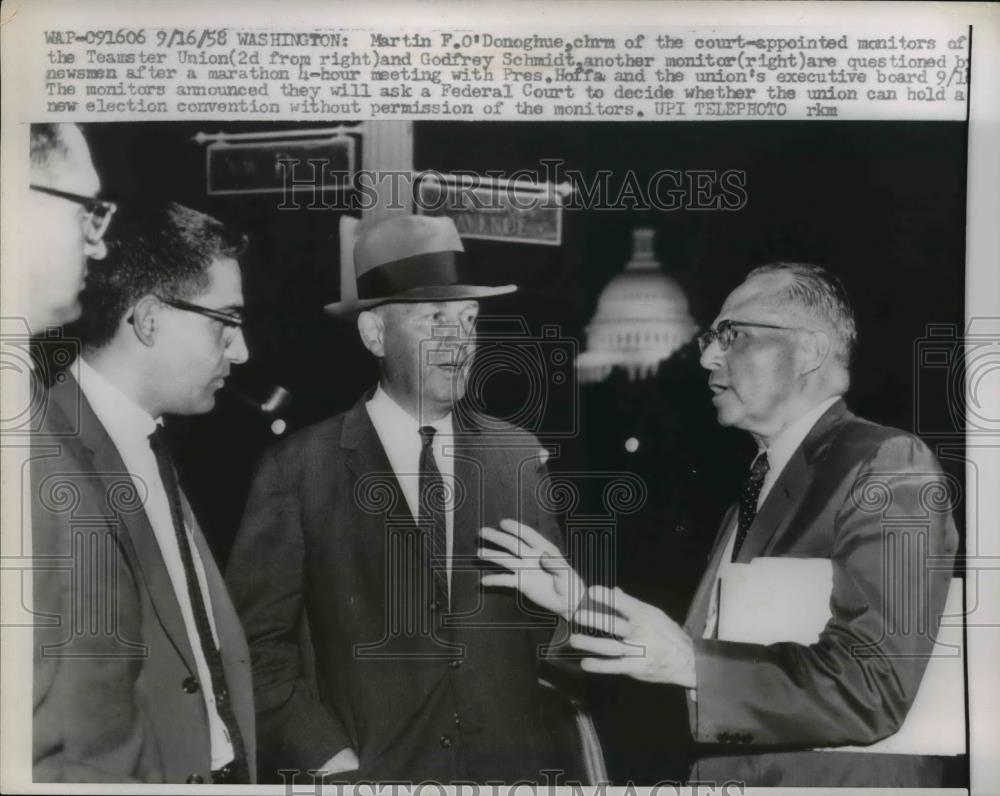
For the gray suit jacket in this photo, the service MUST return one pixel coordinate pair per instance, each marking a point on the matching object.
(874, 501)
(418, 691)
(114, 688)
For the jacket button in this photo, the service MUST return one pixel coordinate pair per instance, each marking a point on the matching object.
(434, 605)
(222, 697)
(458, 721)
(445, 742)
(195, 779)
(455, 664)
(190, 685)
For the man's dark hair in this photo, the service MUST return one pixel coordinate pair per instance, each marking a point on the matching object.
(821, 294)
(164, 250)
(47, 144)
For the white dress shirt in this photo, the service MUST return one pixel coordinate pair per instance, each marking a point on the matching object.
(399, 433)
(129, 427)
(779, 453)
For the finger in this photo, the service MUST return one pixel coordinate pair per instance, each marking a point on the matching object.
(604, 622)
(609, 665)
(507, 541)
(504, 579)
(610, 647)
(528, 534)
(618, 600)
(555, 564)
(513, 563)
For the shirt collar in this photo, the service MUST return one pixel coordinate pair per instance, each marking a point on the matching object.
(120, 415)
(392, 413)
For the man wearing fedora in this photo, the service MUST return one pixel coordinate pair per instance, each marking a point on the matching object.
(363, 529)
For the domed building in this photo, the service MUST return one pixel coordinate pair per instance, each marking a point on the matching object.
(642, 318)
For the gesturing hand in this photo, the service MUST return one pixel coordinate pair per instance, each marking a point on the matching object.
(534, 565)
(650, 645)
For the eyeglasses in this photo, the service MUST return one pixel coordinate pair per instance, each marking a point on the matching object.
(98, 216)
(231, 322)
(726, 332)
(228, 319)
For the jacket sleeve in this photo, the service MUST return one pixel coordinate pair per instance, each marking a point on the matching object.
(266, 578)
(894, 543)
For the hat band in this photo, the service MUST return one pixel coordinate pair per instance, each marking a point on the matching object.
(434, 269)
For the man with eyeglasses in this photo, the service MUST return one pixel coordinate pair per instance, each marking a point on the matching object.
(143, 673)
(69, 221)
(778, 358)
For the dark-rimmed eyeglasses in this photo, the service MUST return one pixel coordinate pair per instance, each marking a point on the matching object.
(232, 323)
(726, 332)
(98, 212)
(228, 319)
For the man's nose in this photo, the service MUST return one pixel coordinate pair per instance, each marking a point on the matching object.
(711, 358)
(237, 351)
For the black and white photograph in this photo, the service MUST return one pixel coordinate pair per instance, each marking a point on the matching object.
(471, 452)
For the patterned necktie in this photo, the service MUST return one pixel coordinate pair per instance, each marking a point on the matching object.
(212, 656)
(432, 508)
(748, 500)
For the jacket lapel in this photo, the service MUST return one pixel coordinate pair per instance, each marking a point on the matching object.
(467, 520)
(782, 503)
(698, 612)
(137, 539)
(365, 455)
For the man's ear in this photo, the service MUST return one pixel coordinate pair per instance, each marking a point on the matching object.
(145, 318)
(814, 350)
(372, 331)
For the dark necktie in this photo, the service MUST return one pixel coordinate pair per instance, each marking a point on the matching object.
(432, 508)
(748, 500)
(212, 656)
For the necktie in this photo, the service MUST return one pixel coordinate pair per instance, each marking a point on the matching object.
(212, 656)
(432, 508)
(748, 500)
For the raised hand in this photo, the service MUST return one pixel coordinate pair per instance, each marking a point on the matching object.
(534, 565)
(649, 646)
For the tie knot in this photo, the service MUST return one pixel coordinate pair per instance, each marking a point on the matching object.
(158, 441)
(427, 434)
(759, 467)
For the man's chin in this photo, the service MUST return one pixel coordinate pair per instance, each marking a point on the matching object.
(63, 314)
(202, 405)
(726, 417)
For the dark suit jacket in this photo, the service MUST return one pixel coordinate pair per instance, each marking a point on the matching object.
(419, 693)
(874, 501)
(111, 656)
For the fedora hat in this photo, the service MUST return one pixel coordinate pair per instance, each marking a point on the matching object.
(411, 258)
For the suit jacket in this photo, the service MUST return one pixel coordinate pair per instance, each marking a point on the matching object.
(874, 501)
(418, 691)
(115, 685)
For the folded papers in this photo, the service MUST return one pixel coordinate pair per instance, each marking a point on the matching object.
(771, 600)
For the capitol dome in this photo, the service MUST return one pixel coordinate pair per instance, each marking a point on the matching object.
(642, 318)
